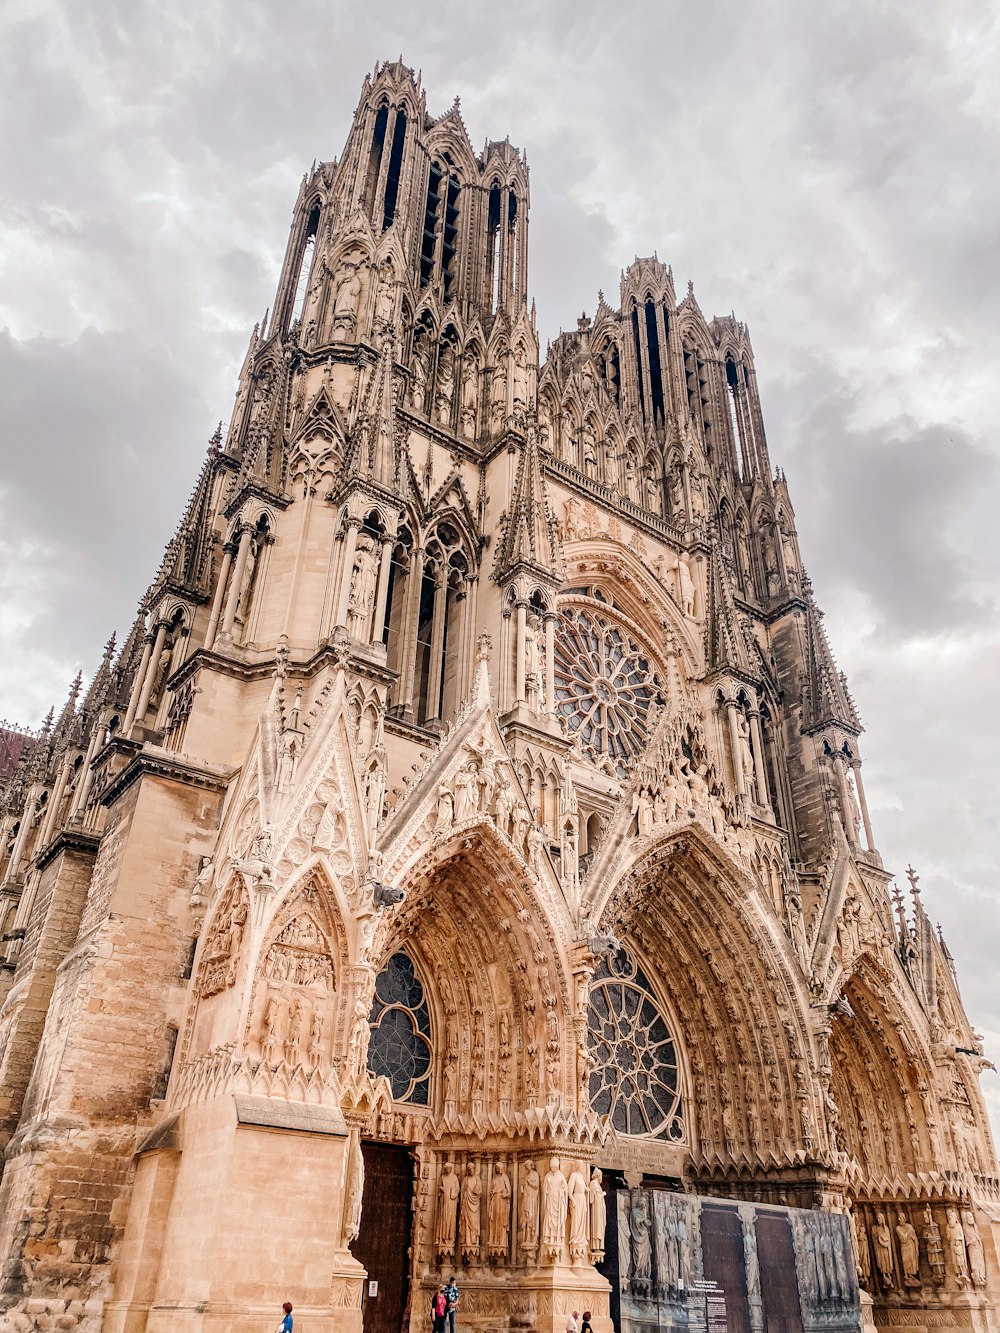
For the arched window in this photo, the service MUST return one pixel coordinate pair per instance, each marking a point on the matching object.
(493, 247)
(375, 157)
(400, 1045)
(635, 1079)
(305, 264)
(395, 167)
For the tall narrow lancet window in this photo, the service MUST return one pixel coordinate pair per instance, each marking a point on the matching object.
(375, 158)
(512, 246)
(449, 241)
(305, 265)
(739, 445)
(493, 247)
(655, 369)
(638, 359)
(395, 169)
(429, 239)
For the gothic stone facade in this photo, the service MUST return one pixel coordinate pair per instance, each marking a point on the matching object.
(533, 643)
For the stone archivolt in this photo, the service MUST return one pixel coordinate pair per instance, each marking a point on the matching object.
(532, 644)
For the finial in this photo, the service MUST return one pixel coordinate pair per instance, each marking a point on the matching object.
(914, 879)
(484, 646)
(215, 441)
(690, 288)
(457, 104)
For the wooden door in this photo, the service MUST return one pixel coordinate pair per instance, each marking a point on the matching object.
(383, 1243)
(779, 1283)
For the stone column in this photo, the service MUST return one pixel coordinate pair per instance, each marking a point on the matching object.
(734, 745)
(28, 814)
(757, 741)
(519, 695)
(840, 764)
(232, 599)
(550, 662)
(863, 802)
(220, 593)
(86, 774)
(140, 676)
(55, 801)
(382, 593)
(147, 684)
(349, 546)
(411, 611)
(436, 665)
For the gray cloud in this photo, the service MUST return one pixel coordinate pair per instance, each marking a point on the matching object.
(826, 172)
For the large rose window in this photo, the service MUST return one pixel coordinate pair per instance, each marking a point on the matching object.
(604, 685)
(635, 1077)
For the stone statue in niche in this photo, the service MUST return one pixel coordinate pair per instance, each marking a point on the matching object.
(347, 295)
(470, 395)
(859, 1239)
(498, 393)
(361, 597)
(467, 791)
(528, 1211)
(974, 1248)
(598, 1215)
(498, 1224)
(445, 385)
(316, 1043)
(588, 451)
(270, 1031)
(520, 378)
(355, 1189)
(419, 373)
(357, 1053)
(554, 1201)
(909, 1250)
(685, 586)
(293, 1034)
(882, 1241)
(504, 807)
(470, 1213)
(447, 1216)
(385, 297)
(579, 1230)
(956, 1244)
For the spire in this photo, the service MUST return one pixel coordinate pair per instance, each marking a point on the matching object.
(529, 535)
(728, 643)
(827, 699)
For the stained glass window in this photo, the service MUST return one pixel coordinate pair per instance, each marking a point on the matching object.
(400, 1046)
(635, 1077)
(604, 685)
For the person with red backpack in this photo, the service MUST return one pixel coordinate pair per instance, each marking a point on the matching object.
(439, 1310)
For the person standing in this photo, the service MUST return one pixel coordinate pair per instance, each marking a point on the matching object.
(451, 1296)
(439, 1310)
(586, 1326)
(573, 1322)
(286, 1324)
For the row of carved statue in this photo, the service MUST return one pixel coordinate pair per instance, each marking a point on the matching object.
(899, 1258)
(540, 1222)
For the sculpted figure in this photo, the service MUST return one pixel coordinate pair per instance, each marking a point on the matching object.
(316, 1038)
(882, 1239)
(469, 1214)
(385, 297)
(269, 1034)
(598, 1216)
(527, 1211)
(345, 303)
(504, 808)
(355, 1189)
(685, 586)
(447, 1217)
(361, 598)
(467, 789)
(641, 1251)
(498, 393)
(909, 1250)
(974, 1248)
(293, 1037)
(520, 377)
(956, 1244)
(859, 1239)
(445, 808)
(450, 1081)
(498, 1229)
(419, 372)
(579, 1231)
(554, 1199)
(445, 385)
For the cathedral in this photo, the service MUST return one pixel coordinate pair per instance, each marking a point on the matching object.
(463, 867)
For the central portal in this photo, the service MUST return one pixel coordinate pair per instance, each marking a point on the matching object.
(383, 1243)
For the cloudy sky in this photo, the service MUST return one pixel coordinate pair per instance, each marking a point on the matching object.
(827, 171)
